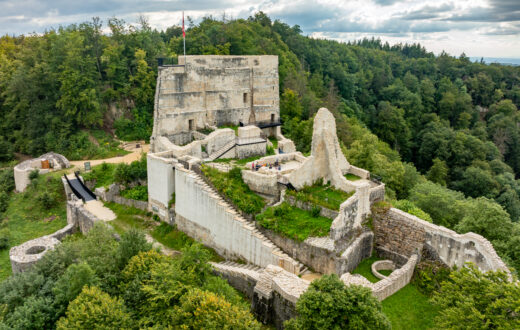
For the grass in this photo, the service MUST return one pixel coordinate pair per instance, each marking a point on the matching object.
(352, 177)
(233, 187)
(169, 236)
(408, 308)
(322, 195)
(103, 174)
(139, 193)
(27, 218)
(293, 222)
(233, 127)
(274, 141)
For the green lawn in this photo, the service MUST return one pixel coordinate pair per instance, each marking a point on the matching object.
(274, 141)
(27, 217)
(352, 177)
(322, 195)
(233, 127)
(293, 222)
(231, 185)
(408, 308)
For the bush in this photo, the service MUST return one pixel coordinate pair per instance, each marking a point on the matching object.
(6, 180)
(34, 174)
(132, 242)
(126, 173)
(4, 238)
(94, 309)
(139, 193)
(4, 201)
(329, 304)
(47, 200)
(407, 206)
(204, 310)
(429, 275)
(315, 211)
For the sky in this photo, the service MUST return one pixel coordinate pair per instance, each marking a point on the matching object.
(488, 28)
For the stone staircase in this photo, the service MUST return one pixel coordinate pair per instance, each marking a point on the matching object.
(228, 146)
(301, 268)
(234, 268)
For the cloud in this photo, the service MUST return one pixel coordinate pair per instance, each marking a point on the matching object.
(496, 11)
(426, 12)
(484, 22)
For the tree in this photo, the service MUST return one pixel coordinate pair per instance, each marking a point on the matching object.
(132, 242)
(69, 286)
(205, 310)
(487, 218)
(438, 173)
(95, 309)
(471, 299)
(290, 106)
(329, 304)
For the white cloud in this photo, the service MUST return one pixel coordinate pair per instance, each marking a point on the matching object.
(476, 27)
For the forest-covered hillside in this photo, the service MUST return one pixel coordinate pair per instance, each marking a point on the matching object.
(441, 131)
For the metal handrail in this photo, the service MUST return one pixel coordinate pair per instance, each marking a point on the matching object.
(74, 189)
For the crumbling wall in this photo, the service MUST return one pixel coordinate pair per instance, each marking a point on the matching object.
(263, 183)
(405, 234)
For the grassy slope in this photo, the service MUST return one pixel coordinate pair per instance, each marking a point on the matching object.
(322, 195)
(407, 308)
(293, 222)
(25, 217)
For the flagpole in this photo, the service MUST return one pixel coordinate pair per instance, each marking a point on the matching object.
(184, 38)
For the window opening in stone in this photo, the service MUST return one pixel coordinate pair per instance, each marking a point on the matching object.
(245, 97)
(190, 124)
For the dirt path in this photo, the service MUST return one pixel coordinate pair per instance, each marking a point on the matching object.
(133, 156)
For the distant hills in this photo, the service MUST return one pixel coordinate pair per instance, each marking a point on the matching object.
(499, 60)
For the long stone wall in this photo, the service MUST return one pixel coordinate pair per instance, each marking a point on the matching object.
(405, 234)
(213, 222)
(113, 195)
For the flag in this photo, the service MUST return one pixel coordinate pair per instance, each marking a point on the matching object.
(183, 32)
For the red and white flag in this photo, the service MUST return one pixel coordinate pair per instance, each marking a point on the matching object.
(183, 32)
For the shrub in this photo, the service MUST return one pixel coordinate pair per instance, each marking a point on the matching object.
(6, 180)
(4, 238)
(69, 286)
(132, 242)
(204, 310)
(34, 174)
(315, 211)
(4, 201)
(95, 309)
(429, 275)
(139, 193)
(329, 304)
(407, 206)
(126, 173)
(47, 200)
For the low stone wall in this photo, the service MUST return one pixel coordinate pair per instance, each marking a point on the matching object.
(324, 212)
(113, 195)
(263, 183)
(78, 215)
(405, 234)
(382, 265)
(24, 256)
(362, 173)
(386, 287)
(377, 194)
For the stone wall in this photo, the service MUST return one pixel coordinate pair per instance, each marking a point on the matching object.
(22, 170)
(263, 183)
(324, 212)
(113, 195)
(161, 181)
(405, 234)
(215, 90)
(213, 222)
(359, 249)
(386, 287)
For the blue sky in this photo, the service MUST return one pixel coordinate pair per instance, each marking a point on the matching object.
(477, 27)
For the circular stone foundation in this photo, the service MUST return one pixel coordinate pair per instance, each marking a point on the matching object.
(27, 254)
(382, 265)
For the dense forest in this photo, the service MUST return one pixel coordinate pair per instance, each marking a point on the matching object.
(442, 132)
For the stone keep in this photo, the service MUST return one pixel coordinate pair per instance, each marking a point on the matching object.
(215, 90)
